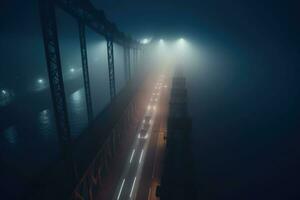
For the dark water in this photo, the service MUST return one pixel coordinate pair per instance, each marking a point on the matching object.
(31, 143)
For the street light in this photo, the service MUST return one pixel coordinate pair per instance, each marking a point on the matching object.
(181, 40)
(40, 81)
(145, 41)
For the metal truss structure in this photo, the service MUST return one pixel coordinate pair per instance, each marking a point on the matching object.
(127, 63)
(111, 67)
(47, 13)
(85, 70)
(86, 16)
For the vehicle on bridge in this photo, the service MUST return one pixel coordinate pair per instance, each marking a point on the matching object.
(145, 127)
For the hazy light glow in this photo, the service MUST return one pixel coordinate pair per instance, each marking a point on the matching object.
(161, 41)
(40, 80)
(145, 41)
(181, 43)
(72, 70)
(3, 92)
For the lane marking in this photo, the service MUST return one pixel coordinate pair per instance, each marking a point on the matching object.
(132, 187)
(121, 189)
(141, 156)
(132, 154)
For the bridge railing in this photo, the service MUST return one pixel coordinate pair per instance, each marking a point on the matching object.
(91, 182)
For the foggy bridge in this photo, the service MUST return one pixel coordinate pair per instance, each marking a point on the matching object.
(106, 128)
(145, 99)
(83, 160)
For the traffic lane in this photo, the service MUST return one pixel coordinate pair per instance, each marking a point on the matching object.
(135, 170)
(131, 172)
(112, 182)
(125, 178)
(156, 172)
(130, 181)
(151, 171)
(145, 147)
(147, 172)
(143, 157)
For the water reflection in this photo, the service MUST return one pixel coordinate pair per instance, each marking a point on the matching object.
(40, 84)
(73, 72)
(46, 126)
(11, 135)
(77, 112)
(6, 96)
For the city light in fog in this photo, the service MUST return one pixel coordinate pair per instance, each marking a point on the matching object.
(181, 40)
(40, 80)
(145, 41)
(40, 84)
(3, 92)
(72, 70)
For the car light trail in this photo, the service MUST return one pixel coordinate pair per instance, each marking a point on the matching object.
(121, 189)
(129, 186)
(132, 154)
(132, 187)
(141, 156)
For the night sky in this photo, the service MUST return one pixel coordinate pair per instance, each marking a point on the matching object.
(243, 98)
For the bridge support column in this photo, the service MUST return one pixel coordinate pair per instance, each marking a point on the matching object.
(85, 70)
(49, 29)
(127, 62)
(111, 67)
(135, 59)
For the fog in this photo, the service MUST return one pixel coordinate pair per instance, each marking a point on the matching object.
(241, 62)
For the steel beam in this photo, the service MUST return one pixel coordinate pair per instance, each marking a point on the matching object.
(85, 70)
(49, 29)
(127, 63)
(94, 19)
(111, 67)
(135, 58)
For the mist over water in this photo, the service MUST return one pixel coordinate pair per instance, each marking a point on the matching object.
(28, 137)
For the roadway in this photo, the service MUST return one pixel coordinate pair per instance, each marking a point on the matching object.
(153, 162)
(145, 154)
